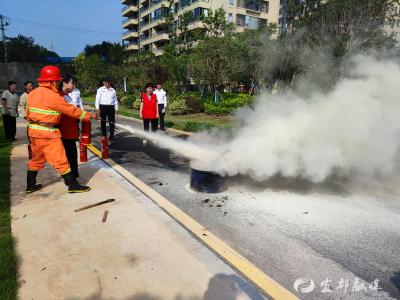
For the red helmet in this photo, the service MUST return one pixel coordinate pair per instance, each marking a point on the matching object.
(50, 73)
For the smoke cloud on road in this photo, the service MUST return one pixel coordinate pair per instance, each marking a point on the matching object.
(352, 128)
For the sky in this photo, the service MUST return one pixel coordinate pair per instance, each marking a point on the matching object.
(65, 26)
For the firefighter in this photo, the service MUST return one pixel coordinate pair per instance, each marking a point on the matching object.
(43, 113)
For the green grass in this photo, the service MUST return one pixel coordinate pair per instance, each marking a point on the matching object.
(182, 122)
(8, 259)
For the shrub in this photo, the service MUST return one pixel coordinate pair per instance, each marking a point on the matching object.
(230, 102)
(177, 106)
(128, 101)
(197, 126)
(193, 102)
(136, 103)
(123, 99)
(188, 103)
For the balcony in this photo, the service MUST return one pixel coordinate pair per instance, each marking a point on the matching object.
(130, 34)
(253, 6)
(185, 3)
(129, 23)
(161, 36)
(149, 24)
(132, 46)
(153, 5)
(129, 10)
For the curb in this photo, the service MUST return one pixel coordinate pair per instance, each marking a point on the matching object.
(247, 269)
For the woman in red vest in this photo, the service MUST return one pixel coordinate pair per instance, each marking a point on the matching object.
(69, 127)
(149, 109)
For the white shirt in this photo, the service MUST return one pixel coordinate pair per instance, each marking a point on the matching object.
(161, 96)
(69, 100)
(76, 99)
(106, 96)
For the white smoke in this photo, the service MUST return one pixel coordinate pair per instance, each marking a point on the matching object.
(353, 128)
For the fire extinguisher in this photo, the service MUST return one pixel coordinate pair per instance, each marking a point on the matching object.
(83, 152)
(104, 148)
(86, 135)
(86, 139)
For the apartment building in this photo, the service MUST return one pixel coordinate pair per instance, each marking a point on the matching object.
(145, 24)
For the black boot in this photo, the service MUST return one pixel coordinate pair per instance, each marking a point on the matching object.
(73, 185)
(31, 185)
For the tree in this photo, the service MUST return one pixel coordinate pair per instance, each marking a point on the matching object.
(216, 61)
(256, 49)
(113, 53)
(216, 24)
(24, 49)
(343, 25)
(90, 70)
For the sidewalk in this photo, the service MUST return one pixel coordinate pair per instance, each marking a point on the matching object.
(138, 253)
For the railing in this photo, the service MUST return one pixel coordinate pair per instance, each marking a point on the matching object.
(151, 21)
(152, 4)
(133, 43)
(185, 3)
(144, 23)
(144, 38)
(254, 6)
(127, 20)
(129, 32)
(143, 9)
(125, 8)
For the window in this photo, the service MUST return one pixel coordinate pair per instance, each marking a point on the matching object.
(240, 20)
(198, 12)
(230, 18)
(231, 2)
(252, 23)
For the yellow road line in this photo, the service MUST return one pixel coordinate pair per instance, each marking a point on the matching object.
(265, 283)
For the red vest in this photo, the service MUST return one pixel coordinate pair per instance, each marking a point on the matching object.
(149, 110)
(69, 127)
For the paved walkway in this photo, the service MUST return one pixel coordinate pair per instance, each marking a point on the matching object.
(138, 253)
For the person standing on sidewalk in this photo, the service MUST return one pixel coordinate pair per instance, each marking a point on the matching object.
(28, 85)
(44, 108)
(69, 126)
(162, 104)
(107, 105)
(149, 109)
(10, 102)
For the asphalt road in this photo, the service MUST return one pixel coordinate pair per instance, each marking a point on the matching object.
(337, 240)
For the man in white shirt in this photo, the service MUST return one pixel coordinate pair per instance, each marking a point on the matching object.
(162, 104)
(75, 96)
(107, 105)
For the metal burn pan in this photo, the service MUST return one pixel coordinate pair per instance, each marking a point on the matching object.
(207, 182)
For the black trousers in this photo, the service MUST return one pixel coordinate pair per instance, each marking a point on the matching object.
(72, 155)
(161, 114)
(107, 112)
(10, 126)
(154, 124)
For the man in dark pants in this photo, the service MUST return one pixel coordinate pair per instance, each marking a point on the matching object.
(107, 105)
(10, 102)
